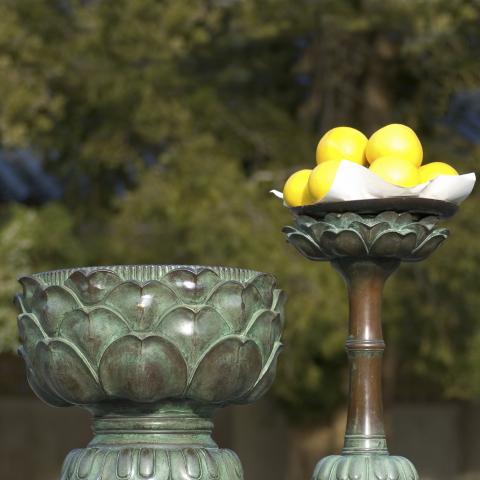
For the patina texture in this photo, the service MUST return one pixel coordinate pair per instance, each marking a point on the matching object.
(365, 280)
(402, 236)
(365, 249)
(150, 463)
(150, 351)
(365, 467)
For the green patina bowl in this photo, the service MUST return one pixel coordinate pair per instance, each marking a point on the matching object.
(130, 335)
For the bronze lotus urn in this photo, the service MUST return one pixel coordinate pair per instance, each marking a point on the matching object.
(365, 241)
(151, 352)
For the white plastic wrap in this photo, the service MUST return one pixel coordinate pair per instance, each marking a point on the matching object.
(355, 182)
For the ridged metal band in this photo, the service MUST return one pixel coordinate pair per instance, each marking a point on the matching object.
(361, 345)
(152, 424)
(362, 444)
(167, 430)
(143, 273)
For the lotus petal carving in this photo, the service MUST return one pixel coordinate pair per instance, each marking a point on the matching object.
(385, 235)
(92, 287)
(137, 369)
(192, 287)
(240, 361)
(365, 467)
(92, 331)
(142, 305)
(40, 388)
(193, 330)
(146, 334)
(30, 333)
(228, 300)
(66, 372)
(266, 377)
(149, 463)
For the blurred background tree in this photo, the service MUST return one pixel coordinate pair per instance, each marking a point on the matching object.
(167, 122)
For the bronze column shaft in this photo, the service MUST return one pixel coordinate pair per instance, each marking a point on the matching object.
(365, 279)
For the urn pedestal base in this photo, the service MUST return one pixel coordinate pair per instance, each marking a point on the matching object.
(150, 462)
(163, 446)
(365, 467)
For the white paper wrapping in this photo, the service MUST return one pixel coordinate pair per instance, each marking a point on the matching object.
(355, 182)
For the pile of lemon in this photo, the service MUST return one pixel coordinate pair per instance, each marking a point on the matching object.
(393, 152)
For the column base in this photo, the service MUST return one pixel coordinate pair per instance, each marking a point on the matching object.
(365, 467)
(172, 442)
(147, 462)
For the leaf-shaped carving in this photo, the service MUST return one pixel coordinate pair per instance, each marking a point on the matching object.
(393, 244)
(90, 461)
(429, 245)
(142, 369)
(212, 468)
(139, 305)
(265, 285)
(267, 375)
(279, 299)
(342, 469)
(429, 223)
(394, 218)
(403, 466)
(67, 372)
(252, 301)
(421, 231)
(92, 287)
(227, 371)
(325, 468)
(349, 468)
(386, 235)
(38, 385)
(30, 287)
(98, 335)
(365, 467)
(30, 333)
(345, 242)
(265, 329)
(305, 245)
(51, 305)
(142, 462)
(384, 470)
(188, 464)
(227, 300)
(193, 331)
(92, 332)
(318, 228)
(192, 287)
(103, 466)
(235, 465)
(363, 229)
(374, 231)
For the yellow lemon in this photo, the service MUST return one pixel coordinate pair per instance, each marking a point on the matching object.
(395, 140)
(295, 191)
(431, 170)
(398, 171)
(321, 178)
(342, 143)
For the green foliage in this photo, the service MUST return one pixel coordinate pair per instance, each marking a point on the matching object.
(31, 240)
(225, 99)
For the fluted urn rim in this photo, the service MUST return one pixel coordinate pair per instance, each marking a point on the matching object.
(145, 272)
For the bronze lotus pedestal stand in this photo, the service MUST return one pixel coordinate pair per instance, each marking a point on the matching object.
(151, 351)
(365, 241)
